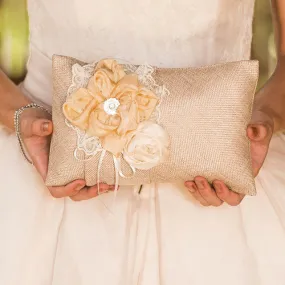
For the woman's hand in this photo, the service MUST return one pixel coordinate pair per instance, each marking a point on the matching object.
(259, 132)
(36, 130)
(268, 117)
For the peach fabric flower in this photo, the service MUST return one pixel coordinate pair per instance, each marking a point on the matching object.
(112, 105)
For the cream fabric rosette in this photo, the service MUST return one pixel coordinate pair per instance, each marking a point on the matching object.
(147, 146)
(114, 107)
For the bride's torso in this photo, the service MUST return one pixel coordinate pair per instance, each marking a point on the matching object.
(169, 33)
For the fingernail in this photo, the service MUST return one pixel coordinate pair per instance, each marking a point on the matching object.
(45, 126)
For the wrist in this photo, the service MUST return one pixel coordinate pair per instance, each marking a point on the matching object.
(271, 98)
(7, 116)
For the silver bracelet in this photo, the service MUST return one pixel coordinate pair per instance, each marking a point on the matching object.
(17, 125)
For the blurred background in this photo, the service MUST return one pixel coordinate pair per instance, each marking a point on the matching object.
(14, 38)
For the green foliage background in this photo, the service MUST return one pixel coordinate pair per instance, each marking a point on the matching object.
(14, 38)
(263, 47)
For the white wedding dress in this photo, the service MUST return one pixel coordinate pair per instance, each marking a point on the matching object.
(162, 237)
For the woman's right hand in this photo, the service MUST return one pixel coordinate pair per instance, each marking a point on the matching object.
(36, 130)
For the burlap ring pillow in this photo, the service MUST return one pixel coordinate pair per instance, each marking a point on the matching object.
(136, 125)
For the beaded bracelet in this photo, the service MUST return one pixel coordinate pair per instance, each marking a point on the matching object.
(17, 117)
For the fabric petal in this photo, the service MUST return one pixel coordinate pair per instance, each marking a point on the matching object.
(114, 143)
(78, 107)
(102, 124)
(129, 118)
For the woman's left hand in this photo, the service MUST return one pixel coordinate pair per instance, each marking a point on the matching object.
(266, 118)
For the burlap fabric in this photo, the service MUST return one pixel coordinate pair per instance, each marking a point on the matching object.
(206, 115)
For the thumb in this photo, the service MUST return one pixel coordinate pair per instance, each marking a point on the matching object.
(257, 132)
(41, 127)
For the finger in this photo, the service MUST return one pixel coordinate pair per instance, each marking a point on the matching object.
(226, 195)
(91, 192)
(69, 190)
(36, 127)
(207, 192)
(195, 193)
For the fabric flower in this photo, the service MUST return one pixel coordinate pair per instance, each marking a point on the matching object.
(79, 105)
(147, 147)
(111, 107)
(126, 118)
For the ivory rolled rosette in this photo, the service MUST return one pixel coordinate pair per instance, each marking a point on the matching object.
(147, 147)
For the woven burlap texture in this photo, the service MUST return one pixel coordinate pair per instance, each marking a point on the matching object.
(206, 115)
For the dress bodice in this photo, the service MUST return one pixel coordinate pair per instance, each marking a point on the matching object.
(164, 33)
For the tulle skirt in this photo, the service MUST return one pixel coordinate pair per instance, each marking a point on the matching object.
(160, 237)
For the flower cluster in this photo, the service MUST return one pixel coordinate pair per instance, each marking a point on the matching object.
(116, 108)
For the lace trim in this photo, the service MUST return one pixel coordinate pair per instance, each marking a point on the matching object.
(80, 78)
(145, 75)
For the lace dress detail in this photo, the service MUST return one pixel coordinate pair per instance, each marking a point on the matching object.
(146, 32)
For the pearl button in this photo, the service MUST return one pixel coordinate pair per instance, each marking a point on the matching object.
(111, 105)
